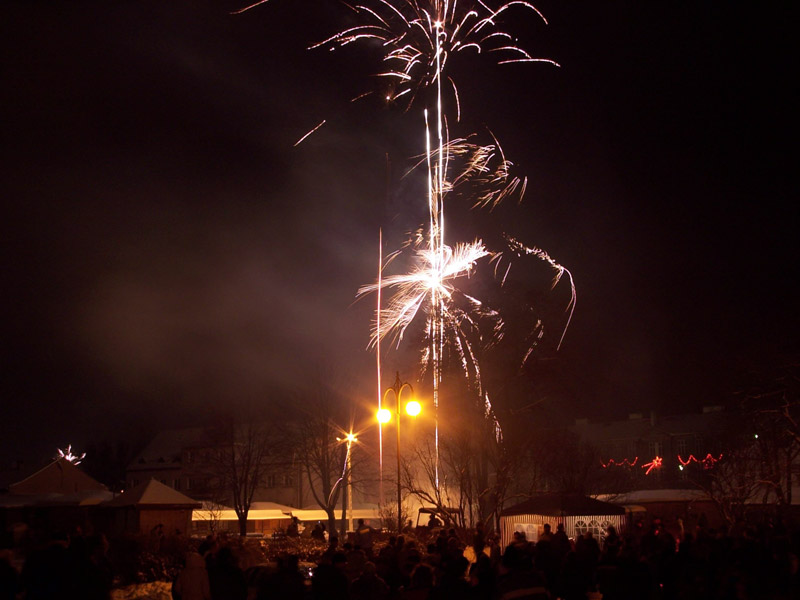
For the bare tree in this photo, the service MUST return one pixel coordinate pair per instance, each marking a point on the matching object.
(322, 421)
(757, 449)
(242, 454)
(212, 513)
(732, 483)
(771, 402)
(238, 451)
(418, 477)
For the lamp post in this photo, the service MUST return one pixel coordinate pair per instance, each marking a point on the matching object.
(349, 438)
(384, 416)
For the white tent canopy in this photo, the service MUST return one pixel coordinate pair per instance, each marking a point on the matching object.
(259, 511)
(263, 511)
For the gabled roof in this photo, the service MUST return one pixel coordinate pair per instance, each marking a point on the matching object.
(59, 477)
(562, 505)
(152, 494)
(658, 495)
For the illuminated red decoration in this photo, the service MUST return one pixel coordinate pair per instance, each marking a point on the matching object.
(708, 462)
(622, 463)
(653, 464)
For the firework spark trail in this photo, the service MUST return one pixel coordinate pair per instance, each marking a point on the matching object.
(412, 289)
(302, 139)
(484, 167)
(439, 244)
(378, 360)
(520, 249)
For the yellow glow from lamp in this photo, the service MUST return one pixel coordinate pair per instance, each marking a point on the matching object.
(413, 408)
(384, 415)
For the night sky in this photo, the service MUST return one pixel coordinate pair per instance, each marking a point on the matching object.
(167, 248)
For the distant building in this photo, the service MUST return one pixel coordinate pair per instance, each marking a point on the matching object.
(183, 460)
(653, 451)
(706, 467)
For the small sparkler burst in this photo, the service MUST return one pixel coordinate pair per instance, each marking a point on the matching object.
(67, 455)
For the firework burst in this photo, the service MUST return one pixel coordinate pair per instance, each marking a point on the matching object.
(420, 38)
(419, 41)
(430, 274)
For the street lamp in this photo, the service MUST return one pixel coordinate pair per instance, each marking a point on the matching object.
(349, 438)
(413, 408)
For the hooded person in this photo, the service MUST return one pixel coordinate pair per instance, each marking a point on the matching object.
(192, 583)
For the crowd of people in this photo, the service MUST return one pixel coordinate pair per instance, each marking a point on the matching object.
(642, 564)
(442, 563)
(68, 567)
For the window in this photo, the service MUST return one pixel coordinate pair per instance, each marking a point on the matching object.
(682, 447)
(270, 481)
(288, 481)
(176, 483)
(597, 528)
(581, 527)
(654, 449)
(196, 484)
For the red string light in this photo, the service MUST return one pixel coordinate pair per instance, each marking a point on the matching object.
(708, 462)
(622, 463)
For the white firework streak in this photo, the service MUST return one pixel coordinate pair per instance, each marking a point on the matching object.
(412, 291)
(429, 287)
(520, 249)
(483, 166)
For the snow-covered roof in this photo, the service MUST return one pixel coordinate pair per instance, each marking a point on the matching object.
(645, 496)
(59, 477)
(84, 498)
(153, 493)
(557, 505)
